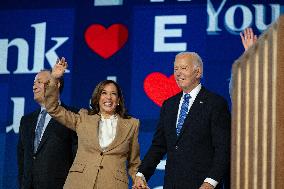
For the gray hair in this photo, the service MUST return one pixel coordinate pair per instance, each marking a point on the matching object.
(197, 61)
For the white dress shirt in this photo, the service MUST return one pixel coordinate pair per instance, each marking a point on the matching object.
(107, 130)
(46, 121)
(193, 95)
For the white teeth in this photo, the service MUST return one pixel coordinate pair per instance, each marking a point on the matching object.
(107, 103)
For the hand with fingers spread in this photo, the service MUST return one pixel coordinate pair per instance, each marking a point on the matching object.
(59, 68)
(248, 38)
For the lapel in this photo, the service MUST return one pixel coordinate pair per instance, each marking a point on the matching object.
(196, 108)
(93, 132)
(48, 130)
(50, 126)
(32, 129)
(122, 130)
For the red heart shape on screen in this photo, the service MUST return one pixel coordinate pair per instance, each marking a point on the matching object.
(159, 87)
(106, 41)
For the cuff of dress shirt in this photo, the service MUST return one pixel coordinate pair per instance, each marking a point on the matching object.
(211, 181)
(141, 175)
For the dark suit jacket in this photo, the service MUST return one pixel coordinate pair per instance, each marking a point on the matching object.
(203, 147)
(49, 166)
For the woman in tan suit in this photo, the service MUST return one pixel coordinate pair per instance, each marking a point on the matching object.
(107, 137)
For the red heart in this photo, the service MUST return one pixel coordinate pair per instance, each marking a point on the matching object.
(106, 41)
(159, 87)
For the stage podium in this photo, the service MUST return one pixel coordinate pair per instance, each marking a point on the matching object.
(257, 149)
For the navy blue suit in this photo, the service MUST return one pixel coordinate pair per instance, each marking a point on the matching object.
(49, 166)
(202, 150)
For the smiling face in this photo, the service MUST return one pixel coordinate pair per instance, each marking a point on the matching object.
(108, 100)
(38, 87)
(187, 72)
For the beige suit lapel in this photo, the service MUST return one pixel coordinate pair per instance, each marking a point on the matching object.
(122, 130)
(93, 132)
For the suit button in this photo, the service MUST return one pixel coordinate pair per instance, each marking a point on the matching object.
(101, 153)
(100, 166)
(176, 147)
(34, 157)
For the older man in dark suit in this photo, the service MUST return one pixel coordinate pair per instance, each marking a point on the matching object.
(46, 149)
(194, 132)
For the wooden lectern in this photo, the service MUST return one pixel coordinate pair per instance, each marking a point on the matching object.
(257, 148)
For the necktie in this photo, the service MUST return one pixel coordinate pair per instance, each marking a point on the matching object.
(182, 113)
(38, 130)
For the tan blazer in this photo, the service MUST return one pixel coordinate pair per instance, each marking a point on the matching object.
(93, 167)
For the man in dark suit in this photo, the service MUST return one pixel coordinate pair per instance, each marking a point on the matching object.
(46, 148)
(194, 132)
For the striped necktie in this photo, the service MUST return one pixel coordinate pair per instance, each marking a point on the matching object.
(183, 112)
(39, 129)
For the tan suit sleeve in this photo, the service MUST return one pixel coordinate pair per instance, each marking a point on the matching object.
(134, 153)
(59, 113)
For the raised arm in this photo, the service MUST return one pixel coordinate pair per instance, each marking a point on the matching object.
(59, 113)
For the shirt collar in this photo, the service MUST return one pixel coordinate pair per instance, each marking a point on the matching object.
(194, 92)
(112, 117)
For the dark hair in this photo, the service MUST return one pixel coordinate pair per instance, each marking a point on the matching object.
(120, 108)
(61, 80)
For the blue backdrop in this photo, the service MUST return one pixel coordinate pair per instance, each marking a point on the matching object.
(131, 41)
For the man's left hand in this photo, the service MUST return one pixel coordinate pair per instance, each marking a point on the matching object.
(206, 185)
